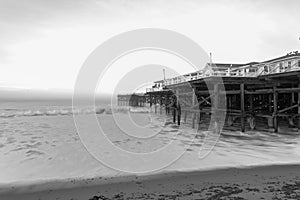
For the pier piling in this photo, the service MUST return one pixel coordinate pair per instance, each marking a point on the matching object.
(242, 88)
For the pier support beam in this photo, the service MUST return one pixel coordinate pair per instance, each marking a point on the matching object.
(251, 103)
(174, 102)
(298, 103)
(178, 107)
(270, 102)
(215, 105)
(155, 104)
(167, 104)
(275, 99)
(160, 104)
(252, 118)
(194, 101)
(242, 88)
(229, 102)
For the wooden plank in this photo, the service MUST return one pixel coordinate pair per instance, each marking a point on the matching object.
(287, 90)
(206, 92)
(229, 92)
(270, 91)
(258, 91)
(289, 108)
(261, 91)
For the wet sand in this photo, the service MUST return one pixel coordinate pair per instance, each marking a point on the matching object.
(267, 182)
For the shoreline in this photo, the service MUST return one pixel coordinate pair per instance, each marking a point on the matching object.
(258, 177)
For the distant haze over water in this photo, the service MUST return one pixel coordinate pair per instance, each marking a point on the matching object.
(12, 94)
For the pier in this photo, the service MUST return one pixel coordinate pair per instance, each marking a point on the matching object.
(135, 100)
(254, 96)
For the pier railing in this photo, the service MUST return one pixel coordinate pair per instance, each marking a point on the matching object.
(266, 69)
(259, 70)
(183, 79)
(154, 89)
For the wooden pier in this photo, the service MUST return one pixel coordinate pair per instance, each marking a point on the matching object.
(261, 96)
(135, 100)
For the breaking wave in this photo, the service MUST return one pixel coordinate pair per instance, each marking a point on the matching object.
(10, 113)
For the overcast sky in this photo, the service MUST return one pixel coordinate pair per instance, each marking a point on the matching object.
(45, 42)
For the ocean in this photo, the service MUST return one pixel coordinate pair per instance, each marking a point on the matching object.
(39, 142)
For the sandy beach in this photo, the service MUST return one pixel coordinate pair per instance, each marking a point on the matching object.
(265, 182)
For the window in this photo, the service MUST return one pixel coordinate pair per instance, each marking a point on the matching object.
(252, 70)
